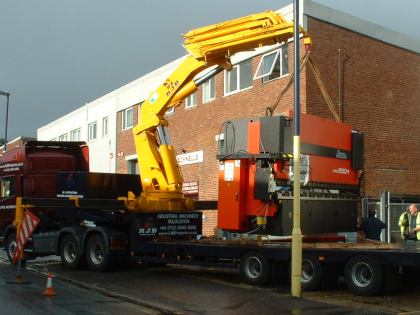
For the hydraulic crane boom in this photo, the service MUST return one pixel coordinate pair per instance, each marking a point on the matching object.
(207, 46)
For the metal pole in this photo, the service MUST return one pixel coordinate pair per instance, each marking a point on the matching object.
(388, 218)
(339, 84)
(7, 119)
(7, 94)
(19, 213)
(296, 288)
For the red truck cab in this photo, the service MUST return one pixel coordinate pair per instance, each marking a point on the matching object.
(30, 171)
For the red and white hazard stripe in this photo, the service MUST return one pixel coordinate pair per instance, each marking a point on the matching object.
(30, 222)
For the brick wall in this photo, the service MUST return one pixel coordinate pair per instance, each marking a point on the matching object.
(380, 97)
(125, 141)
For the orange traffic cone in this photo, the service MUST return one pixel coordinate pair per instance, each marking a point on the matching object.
(49, 291)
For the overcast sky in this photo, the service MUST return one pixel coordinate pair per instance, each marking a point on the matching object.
(56, 55)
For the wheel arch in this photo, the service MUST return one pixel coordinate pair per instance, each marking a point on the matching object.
(10, 228)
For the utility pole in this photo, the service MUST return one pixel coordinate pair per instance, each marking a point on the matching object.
(7, 94)
(296, 288)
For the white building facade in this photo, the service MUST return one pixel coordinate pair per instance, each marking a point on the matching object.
(96, 121)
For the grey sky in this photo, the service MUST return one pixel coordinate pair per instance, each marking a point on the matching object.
(57, 55)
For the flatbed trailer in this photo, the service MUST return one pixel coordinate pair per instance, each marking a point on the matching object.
(103, 234)
(367, 267)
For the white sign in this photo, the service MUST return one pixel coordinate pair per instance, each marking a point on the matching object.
(190, 158)
(229, 171)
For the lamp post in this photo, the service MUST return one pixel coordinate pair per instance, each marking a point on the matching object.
(7, 94)
(296, 286)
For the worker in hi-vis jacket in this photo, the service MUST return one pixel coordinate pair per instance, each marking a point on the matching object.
(409, 223)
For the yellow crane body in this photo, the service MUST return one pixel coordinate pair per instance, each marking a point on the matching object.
(207, 46)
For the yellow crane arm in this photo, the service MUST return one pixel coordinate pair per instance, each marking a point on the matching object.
(207, 46)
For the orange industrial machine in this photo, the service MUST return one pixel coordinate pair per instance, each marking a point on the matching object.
(256, 178)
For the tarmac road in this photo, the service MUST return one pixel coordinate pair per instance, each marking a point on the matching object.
(193, 290)
(27, 299)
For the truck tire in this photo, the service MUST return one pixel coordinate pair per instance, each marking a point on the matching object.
(97, 255)
(311, 278)
(70, 252)
(254, 268)
(363, 275)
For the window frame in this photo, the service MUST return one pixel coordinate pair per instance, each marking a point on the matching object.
(279, 60)
(170, 111)
(73, 132)
(238, 78)
(124, 125)
(105, 127)
(63, 137)
(191, 100)
(90, 138)
(260, 64)
(212, 87)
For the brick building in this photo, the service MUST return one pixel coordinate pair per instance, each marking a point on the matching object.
(373, 82)
(372, 74)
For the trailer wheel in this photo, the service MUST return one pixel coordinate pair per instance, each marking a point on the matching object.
(363, 275)
(70, 252)
(311, 273)
(97, 256)
(254, 268)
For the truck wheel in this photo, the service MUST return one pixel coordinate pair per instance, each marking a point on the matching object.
(70, 252)
(311, 273)
(254, 268)
(97, 255)
(363, 275)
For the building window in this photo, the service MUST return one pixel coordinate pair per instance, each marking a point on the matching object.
(239, 78)
(191, 100)
(63, 137)
(92, 131)
(104, 126)
(273, 65)
(75, 135)
(209, 90)
(170, 111)
(127, 118)
(133, 167)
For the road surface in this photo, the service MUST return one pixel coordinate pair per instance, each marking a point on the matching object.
(27, 299)
(192, 290)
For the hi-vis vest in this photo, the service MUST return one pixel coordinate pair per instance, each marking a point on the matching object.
(404, 223)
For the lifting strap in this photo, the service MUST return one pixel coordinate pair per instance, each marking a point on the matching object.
(306, 59)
